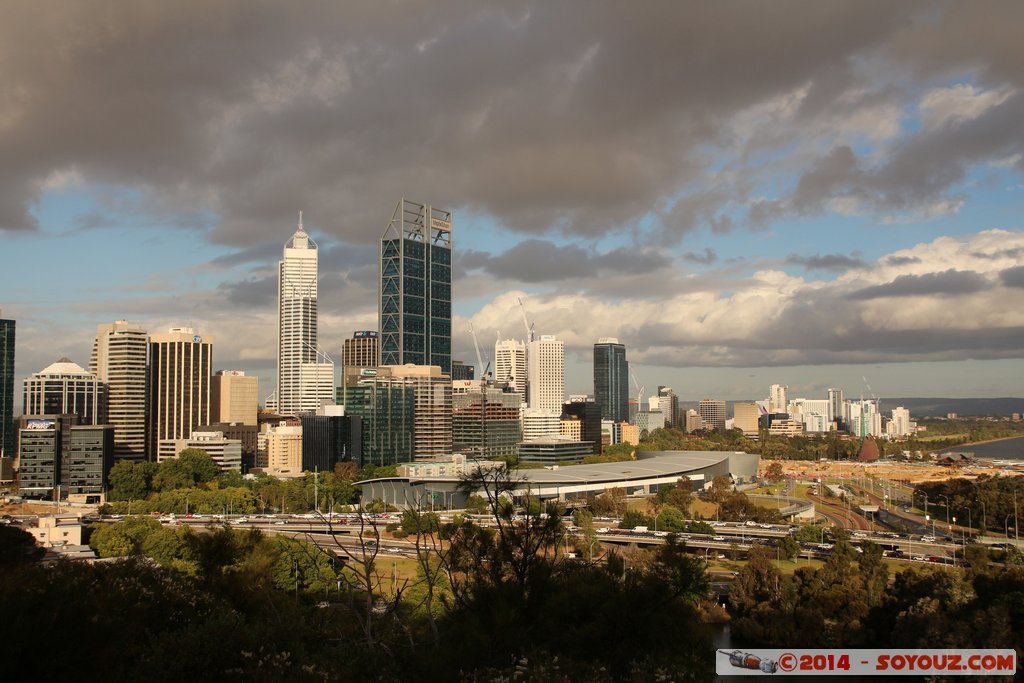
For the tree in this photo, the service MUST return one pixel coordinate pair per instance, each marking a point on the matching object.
(789, 547)
(611, 503)
(775, 472)
(191, 466)
(17, 547)
(130, 480)
(721, 487)
(126, 537)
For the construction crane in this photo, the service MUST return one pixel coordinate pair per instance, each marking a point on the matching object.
(878, 401)
(639, 392)
(526, 323)
(479, 358)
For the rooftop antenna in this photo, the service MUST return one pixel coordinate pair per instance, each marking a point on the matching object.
(300, 221)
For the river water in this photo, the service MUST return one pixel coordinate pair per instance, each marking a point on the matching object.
(1004, 449)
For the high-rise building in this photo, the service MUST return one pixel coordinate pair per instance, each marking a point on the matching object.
(362, 350)
(835, 403)
(510, 366)
(669, 405)
(693, 421)
(415, 311)
(234, 397)
(611, 379)
(39, 456)
(7, 388)
(386, 406)
(65, 387)
(538, 423)
(712, 413)
(545, 370)
(588, 415)
(283, 447)
(119, 356)
(485, 421)
(779, 399)
(899, 426)
(90, 455)
(432, 412)
(305, 374)
(330, 439)
(461, 371)
(227, 453)
(180, 366)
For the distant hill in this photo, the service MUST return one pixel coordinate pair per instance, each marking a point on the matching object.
(929, 407)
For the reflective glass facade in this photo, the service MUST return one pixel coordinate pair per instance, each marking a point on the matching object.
(611, 381)
(416, 288)
(7, 387)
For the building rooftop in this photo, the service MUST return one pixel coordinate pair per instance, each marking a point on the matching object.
(64, 366)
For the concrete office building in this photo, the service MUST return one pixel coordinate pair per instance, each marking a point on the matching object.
(510, 366)
(611, 379)
(812, 412)
(40, 452)
(234, 397)
(545, 371)
(649, 420)
(538, 423)
(7, 329)
(120, 360)
(362, 350)
(283, 445)
(180, 366)
(387, 408)
(555, 450)
(900, 424)
(712, 413)
(227, 453)
(694, 422)
(305, 374)
(67, 388)
(247, 435)
(90, 455)
(461, 371)
(415, 304)
(747, 418)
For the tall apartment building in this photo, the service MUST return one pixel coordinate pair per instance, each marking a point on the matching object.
(305, 374)
(234, 397)
(510, 366)
(65, 387)
(712, 413)
(545, 370)
(899, 426)
(180, 367)
(778, 401)
(7, 387)
(611, 379)
(119, 359)
(283, 447)
(415, 311)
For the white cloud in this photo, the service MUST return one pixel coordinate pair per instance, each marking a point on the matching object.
(943, 106)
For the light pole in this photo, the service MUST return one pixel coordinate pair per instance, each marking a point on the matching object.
(946, 498)
(981, 529)
(1006, 526)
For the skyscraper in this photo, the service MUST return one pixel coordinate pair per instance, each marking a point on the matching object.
(66, 388)
(779, 401)
(119, 355)
(611, 379)
(362, 350)
(415, 311)
(180, 363)
(305, 375)
(510, 365)
(835, 405)
(7, 387)
(545, 370)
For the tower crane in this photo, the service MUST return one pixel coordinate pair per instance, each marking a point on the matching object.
(526, 323)
(639, 392)
(479, 358)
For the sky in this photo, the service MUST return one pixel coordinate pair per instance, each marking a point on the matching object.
(743, 193)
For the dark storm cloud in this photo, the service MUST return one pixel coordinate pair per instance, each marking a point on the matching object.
(834, 262)
(948, 283)
(706, 257)
(581, 117)
(255, 292)
(1013, 277)
(901, 260)
(536, 260)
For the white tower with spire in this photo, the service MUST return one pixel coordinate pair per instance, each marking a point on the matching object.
(305, 375)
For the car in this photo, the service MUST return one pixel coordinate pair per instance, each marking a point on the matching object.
(895, 554)
(720, 539)
(928, 539)
(602, 530)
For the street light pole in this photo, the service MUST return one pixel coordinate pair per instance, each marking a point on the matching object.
(946, 498)
(982, 528)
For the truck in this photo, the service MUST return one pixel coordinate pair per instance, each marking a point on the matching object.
(639, 530)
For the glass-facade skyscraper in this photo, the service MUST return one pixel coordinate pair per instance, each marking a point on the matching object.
(415, 311)
(611, 379)
(7, 387)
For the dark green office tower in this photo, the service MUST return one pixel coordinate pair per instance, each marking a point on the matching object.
(7, 387)
(415, 311)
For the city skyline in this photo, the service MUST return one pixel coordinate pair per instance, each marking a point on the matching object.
(847, 208)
